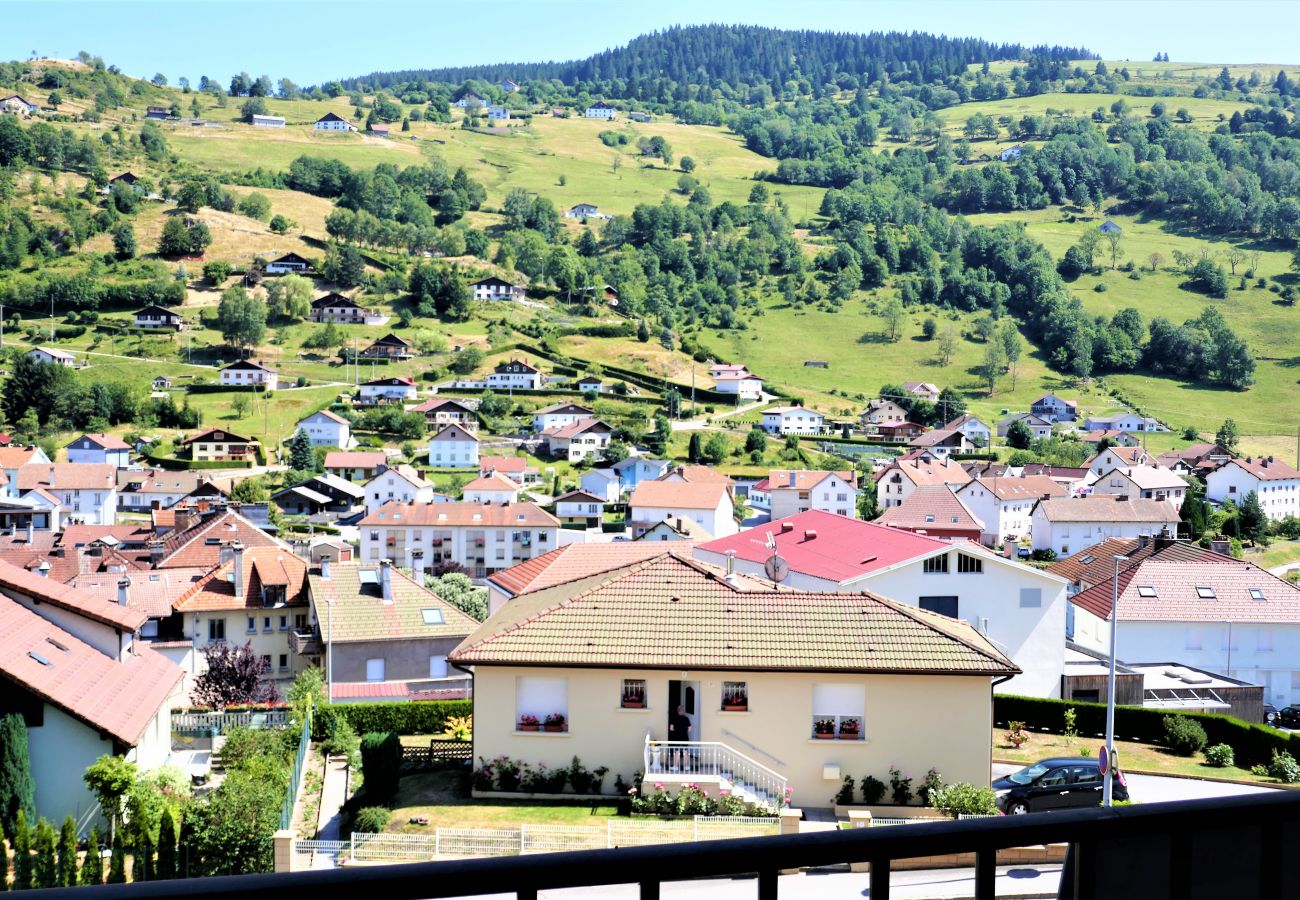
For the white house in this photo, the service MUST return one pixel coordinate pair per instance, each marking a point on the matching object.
(393, 389)
(975, 431)
(745, 385)
(337, 308)
(1122, 422)
(1051, 408)
(942, 442)
(14, 458)
(1060, 524)
(399, 484)
(249, 372)
(1038, 427)
(601, 483)
(792, 491)
(53, 355)
(599, 110)
(100, 449)
(1276, 484)
(469, 98)
(1011, 153)
(483, 538)
(260, 121)
(17, 104)
(86, 492)
(1115, 458)
(355, 465)
(498, 113)
(708, 504)
(558, 414)
(493, 288)
(333, 122)
(584, 211)
(1004, 504)
(580, 508)
(327, 429)
(142, 490)
(515, 375)
(158, 317)
(1147, 482)
(508, 86)
(792, 420)
(1019, 608)
(578, 441)
(491, 488)
(453, 448)
(441, 411)
(896, 481)
(922, 389)
(880, 412)
(290, 262)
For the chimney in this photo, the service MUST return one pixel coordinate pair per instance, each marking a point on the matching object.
(325, 568)
(1143, 540)
(787, 526)
(809, 534)
(731, 562)
(122, 586)
(155, 553)
(1164, 539)
(237, 554)
(31, 532)
(386, 579)
(1221, 546)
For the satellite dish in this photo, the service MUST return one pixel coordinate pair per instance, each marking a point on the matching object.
(776, 568)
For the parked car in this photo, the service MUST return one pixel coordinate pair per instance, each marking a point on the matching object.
(1068, 782)
(1024, 552)
(1270, 714)
(1288, 717)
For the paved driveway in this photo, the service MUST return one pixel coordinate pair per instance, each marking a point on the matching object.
(1163, 789)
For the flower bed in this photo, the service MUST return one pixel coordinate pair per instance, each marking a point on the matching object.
(692, 800)
(516, 778)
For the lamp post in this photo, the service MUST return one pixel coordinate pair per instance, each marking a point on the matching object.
(1108, 784)
(329, 649)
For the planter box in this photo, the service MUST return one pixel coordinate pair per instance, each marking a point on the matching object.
(823, 737)
(633, 704)
(849, 737)
(554, 728)
(892, 811)
(735, 707)
(523, 727)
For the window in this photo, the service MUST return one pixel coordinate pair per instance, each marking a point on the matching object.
(266, 623)
(284, 661)
(432, 616)
(929, 517)
(735, 696)
(374, 670)
(969, 565)
(266, 661)
(944, 606)
(216, 629)
(935, 565)
(1031, 598)
(1205, 593)
(1256, 594)
(284, 623)
(252, 625)
(540, 698)
(300, 621)
(437, 666)
(632, 695)
(839, 709)
(1264, 640)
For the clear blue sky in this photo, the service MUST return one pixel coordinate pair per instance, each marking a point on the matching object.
(316, 41)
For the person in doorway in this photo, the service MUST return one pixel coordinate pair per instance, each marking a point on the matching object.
(679, 730)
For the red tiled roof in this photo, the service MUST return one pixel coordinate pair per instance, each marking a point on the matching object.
(360, 614)
(577, 561)
(200, 545)
(842, 549)
(1264, 468)
(483, 515)
(925, 469)
(151, 592)
(1131, 455)
(695, 474)
(263, 566)
(106, 441)
(1108, 508)
(16, 457)
(393, 690)
(502, 463)
(82, 535)
(573, 429)
(355, 459)
(120, 698)
(804, 479)
(932, 507)
(46, 590)
(678, 495)
(1029, 487)
(494, 481)
(67, 476)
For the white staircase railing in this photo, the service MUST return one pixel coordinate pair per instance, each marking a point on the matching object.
(714, 759)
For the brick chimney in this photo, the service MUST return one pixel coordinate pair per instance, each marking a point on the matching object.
(155, 553)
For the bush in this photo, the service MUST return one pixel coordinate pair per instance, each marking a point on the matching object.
(1219, 756)
(371, 819)
(381, 763)
(965, 799)
(845, 794)
(1184, 736)
(1100, 287)
(402, 718)
(1284, 768)
(873, 790)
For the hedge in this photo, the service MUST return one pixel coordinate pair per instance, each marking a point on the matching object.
(421, 717)
(381, 764)
(1252, 744)
(224, 388)
(174, 464)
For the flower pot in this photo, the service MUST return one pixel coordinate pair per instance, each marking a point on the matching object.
(848, 736)
(554, 727)
(523, 727)
(633, 704)
(734, 707)
(824, 737)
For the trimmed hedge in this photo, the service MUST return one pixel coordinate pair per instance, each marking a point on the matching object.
(422, 717)
(176, 465)
(224, 388)
(381, 764)
(1252, 744)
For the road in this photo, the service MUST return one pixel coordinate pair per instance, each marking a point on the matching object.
(700, 423)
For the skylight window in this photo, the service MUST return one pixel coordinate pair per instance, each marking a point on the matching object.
(1087, 559)
(1256, 594)
(1146, 590)
(1205, 593)
(432, 616)
(929, 517)
(367, 576)
(40, 659)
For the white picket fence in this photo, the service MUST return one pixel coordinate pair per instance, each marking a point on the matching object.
(457, 843)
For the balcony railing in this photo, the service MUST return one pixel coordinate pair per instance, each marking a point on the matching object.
(1223, 847)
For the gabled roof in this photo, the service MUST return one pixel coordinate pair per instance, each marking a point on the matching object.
(288, 257)
(1028, 487)
(679, 495)
(695, 474)
(67, 476)
(493, 281)
(787, 410)
(407, 473)
(334, 300)
(518, 363)
(349, 604)
(157, 481)
(244, 364)
(1148, 478)
(119, 698)
(804, 479)
(573, 429)
(151, 592)
(670, 612)
(391, 340)
(1108, 508)
(503, 464)
(433, 404)
(54, 352)
(17, 457)
(573, 409)
(355, 459)
(939, 437)
(1070, 403)
(915, 387)
(1133, 456)
(156, 310)
(454, 432)
(925, 469)
(576, 561)
(220, 436)
(104, 441)
(263, 567)
(46, 590)
(325, 413)
(200, 544)
(390, 381)
(578, 497)
(1265, 468)
(932, 506)
(493, 481)
(333, 117)
(461, 514)
(1097, 563)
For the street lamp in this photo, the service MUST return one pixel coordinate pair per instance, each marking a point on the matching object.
(1108, 784)
(329, 649)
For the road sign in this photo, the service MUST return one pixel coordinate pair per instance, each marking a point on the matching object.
(1103, 761)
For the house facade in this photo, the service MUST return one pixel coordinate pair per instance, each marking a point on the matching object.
(792, 420)
(54, 356)
(290, 262)
(1123, 422)
(100, 449)
(355, 465)
(85, 492)
(158, 317)
(1146, 482)
(1059, 525)
(494, 288)
(745, 385)
(394, 389)
(217, 444)
(453, 448)
(333, 122)
(515, 375)
(580, 508)
(399, 484)
(439, 412)
(1005, 504)
(1038, 427)
(1275, 483)
(491, 488)
(1051, 408)
(896, 481)
(708, 504)
(599, 110)
(343, 310)
(586, 439)
(247, 373)
(881, 411)
(390, 347)
(792, 491)
(560, 414)
(327, 429)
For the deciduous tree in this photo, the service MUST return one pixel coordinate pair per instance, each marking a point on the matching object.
(233, 677)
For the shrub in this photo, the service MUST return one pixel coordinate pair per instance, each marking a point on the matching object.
(1100, 287)
(584, 781)
(371, 819)
(1016, 734)
(402, 718)
(845, 795)
(1184, 736)
(932, 785)
(873, 790)
(381, 763)
(1284, 768)
(965, 799)
(900, 787)
(1219, 755)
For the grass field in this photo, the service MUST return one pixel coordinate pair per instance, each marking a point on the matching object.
(443, 797)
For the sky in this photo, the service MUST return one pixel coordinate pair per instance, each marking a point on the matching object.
(313, 41)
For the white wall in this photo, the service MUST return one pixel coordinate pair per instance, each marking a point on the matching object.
(388, 486)
(458, 543)
(832, 494)
(1279, 499)
(453, 452)
(1071, 537)
(61, 750)
(717, 522)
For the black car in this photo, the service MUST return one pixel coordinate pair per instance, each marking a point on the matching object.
(1068, 782)
(1270, 714)
(1288, 717)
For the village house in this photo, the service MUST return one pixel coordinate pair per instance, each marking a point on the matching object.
(261, 121)
(157, 112)
(1123, 422)
(100, 448)
(142, 490)
(599, 110)
(1114, 458)
(493, 487)
(1147, 482)
(1111, 437)
(879, 412)
(453, 448)
(559, 414)
(1005, 504)
(585, 439)
(1275, 483)
(584, 211)
(355, 465)
(934, 510)
(897, 480)
(515, 375)
(17, 104)
(395, 389)
(1198, 459)
(580, 508)
(977, 433)
(1051, 408)
(622, 477)
(85, 492)
(898, 432)
(53, 355)
(498, 113)
(440, 412)
(494, 288)
(390, 347)
(304, 500)
(591, 384)
(792, 491)
(1021, 609)
(1109, 227)
(640, 116)
(744, 385)
(290, 262)
(515, 468)
(792, 420)
(942, 442)
(578, 649)
(326, 429)
(158, 317)
(1060, 524)
(508, 86)
(247, 372)
(341, 310)
(162, 383)
(401, 484)
(483, 538)
(1011, 154)
(923, 390)
(718, 369)
(469, 98)
(328, 493)
(389, 636)
(219, 445)
(1038, 427)
(378, 130)
(73, 667)
(708, 504)
(333, 122)
(14, 458)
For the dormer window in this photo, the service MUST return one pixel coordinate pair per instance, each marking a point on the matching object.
(273, 595)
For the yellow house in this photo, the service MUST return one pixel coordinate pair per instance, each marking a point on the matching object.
(218, 444)
(676, 670)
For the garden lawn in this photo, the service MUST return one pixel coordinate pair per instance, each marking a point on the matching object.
(443, 797)
(1143, 759)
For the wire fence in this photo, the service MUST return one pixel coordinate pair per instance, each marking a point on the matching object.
(299, 759)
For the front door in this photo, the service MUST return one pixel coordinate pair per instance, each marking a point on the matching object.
(686, 695)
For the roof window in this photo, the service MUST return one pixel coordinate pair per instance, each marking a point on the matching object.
(1205, 593)
(1256, 594)
(1146, 590)
(432, 616)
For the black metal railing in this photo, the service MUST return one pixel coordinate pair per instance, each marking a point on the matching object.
(1222, 848)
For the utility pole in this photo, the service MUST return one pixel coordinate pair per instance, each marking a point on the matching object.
(1108, 784)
